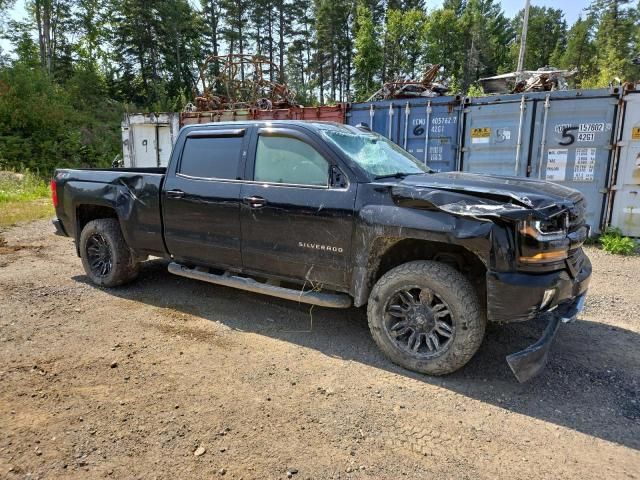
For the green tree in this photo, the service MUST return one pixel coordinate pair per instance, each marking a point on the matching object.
(405, 40)
(445, 40)
(333, 45)
(546, 37)
(368, 56)
(617, 26)
(580, 51)
(487, 34)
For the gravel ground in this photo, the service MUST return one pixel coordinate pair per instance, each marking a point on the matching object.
(172, 378)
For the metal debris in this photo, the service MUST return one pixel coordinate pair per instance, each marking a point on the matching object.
(234, 81)
(407, 88)
(544, 79)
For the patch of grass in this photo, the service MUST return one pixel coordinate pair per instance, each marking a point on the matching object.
(12, 213)
(613, 241)
(16, 187)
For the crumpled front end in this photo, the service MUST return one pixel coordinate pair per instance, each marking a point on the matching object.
(537, 263)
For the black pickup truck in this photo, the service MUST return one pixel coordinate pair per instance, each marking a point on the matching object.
(335, 215)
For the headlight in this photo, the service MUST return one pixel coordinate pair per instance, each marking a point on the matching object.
(546, 230)
(544, 241)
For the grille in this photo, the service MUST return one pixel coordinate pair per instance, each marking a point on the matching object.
(575, 261)
(576, 214)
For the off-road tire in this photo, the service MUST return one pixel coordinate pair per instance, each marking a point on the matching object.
(455, 290)
(124, 267)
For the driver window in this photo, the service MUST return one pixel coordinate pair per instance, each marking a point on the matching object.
(288, 160)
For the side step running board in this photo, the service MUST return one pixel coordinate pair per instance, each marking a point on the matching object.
(322, 299)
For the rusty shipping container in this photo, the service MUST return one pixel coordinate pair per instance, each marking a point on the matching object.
(325, 113)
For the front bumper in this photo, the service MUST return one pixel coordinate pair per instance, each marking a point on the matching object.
(513, 297)
(516, 297)
(527, 363)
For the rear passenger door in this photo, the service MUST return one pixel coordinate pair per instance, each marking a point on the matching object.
(201, 197)
(297, 212)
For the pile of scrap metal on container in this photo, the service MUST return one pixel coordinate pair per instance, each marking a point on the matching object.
(248, 87)
(432, 84)
(545, 79)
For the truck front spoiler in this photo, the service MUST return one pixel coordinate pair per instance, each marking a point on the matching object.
(529, 362)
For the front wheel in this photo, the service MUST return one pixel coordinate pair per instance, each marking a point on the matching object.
(106, 258)
(426, 317)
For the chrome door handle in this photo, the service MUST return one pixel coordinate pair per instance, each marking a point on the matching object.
(255, 202)
(175, 194)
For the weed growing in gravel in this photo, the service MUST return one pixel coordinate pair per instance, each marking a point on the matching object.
(15, 187)
(23, 197)
(613, 241)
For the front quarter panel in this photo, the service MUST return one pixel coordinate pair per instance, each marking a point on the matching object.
(382, 223)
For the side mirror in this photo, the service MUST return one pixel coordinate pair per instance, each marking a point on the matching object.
(337, 179)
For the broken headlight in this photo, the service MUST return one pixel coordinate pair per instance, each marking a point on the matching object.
(546, 230)
(544, 241)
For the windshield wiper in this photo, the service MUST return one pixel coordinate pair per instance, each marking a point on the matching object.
(393, 175)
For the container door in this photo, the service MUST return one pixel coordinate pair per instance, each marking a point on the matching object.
(144, 146)
(126, 145)
(164, 144)
(626, 204)
(431, 133)
(497, 136)
(383, 117)
(573, 147)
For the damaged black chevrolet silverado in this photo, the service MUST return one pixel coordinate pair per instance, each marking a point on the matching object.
(336, 216)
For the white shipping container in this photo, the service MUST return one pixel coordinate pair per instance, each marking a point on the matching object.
(147, 138)
(625, 214)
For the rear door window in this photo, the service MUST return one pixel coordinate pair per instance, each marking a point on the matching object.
(211, 157)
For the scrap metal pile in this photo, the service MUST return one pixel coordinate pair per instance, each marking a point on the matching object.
(544, 79)
(234, 81)
(407, 88)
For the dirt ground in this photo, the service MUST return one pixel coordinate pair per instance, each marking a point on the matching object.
(137, 381)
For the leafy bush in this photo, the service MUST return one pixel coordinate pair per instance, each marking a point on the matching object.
(614, 242)
(44, 125)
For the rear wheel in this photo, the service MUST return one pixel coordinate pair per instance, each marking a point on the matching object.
(426, 316)
(106, 258)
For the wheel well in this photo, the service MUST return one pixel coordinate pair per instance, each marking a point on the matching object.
(458, 257)
(87, 213)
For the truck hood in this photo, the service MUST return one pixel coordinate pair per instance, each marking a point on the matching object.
(485, 195)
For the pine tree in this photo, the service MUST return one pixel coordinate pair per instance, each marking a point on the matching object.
(580, 51)
(617, 24)
(368, 56)
(212, 17)
(487, 33)
(445, 41)
(547, 33)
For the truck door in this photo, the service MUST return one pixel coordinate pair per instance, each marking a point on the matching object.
(201, 197)
(297, 213)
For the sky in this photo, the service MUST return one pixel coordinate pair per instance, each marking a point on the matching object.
(572, 8)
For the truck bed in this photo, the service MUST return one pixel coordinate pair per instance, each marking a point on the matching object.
(133, 194)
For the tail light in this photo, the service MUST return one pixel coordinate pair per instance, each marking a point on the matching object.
(54, 193)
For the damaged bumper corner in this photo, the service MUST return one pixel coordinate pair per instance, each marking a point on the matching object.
(59, 228)
(529, 362)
